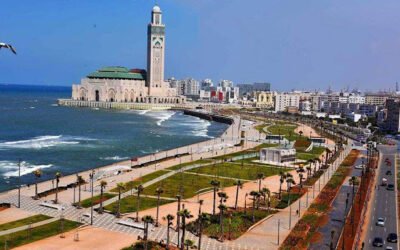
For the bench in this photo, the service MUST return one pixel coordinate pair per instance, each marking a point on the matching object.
(50, 205)
(131, 224)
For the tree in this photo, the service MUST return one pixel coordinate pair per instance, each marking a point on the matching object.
(159, 191)
(301, 133)
(79, 182)
(189, 244)
(146, 220)
(289, 181)
(204, 219)
(318, 160)
(255, 196)
(103, 185)
(215, 185)
(260, 177)
(289, 178)
(38, 174)
(121, 187)
(222, 199)
(267, 193)
(57, 175)
(239, 185)
(169, 219)
(328, 152)
(282, 178)
(139, 190)
(184, 214)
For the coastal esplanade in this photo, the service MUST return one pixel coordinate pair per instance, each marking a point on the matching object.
(120, 84)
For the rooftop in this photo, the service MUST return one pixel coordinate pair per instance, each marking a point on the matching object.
(118, 72)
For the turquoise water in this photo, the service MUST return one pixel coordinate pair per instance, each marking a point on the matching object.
(42, 135)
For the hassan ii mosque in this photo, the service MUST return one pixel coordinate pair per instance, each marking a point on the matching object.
(120, 84)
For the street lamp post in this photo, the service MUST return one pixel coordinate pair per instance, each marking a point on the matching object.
(91, 199)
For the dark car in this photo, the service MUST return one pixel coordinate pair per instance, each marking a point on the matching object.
(390, 187)
(378, 242)
(392, 237)
(388, 172)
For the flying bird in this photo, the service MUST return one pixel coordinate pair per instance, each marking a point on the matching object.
(8, 46)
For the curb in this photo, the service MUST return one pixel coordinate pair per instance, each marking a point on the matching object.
(259, 222)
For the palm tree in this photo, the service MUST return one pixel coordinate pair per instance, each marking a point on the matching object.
(289, 182)
(38, 174)
(169, 219)
(189, 244)
(146, 220)
(289, 178)
(215, 185)
(301, 133)
(318, 160)
(267, 193)
(222, 199)
(328, 152)
(239, 184)
(260, 177)
(281, 181)
(139, 189)
(57, 175)
(255, 195)
(103, 184)
(203, 220)
(159, 191)
(79, 182)
(185, 214)
(121, 187)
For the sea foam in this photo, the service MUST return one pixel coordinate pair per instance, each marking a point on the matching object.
(46, 141)
(11, 168)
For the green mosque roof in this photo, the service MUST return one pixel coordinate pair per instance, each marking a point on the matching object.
(118, 72)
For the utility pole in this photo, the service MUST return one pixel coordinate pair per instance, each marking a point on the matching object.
(91, 200)
(279, 224)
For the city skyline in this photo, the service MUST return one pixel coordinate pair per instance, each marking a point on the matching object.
(302, 47)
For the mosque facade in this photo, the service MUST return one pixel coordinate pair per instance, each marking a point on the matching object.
(120, 84)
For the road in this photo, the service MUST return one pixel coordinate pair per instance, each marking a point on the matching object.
(384, 202)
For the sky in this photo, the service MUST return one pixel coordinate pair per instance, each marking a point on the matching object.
(304, 45)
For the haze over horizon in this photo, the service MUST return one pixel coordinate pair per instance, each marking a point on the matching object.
(291, 44)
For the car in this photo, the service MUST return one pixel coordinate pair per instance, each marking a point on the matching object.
(378, 242)
(359, 167)
(392, 237)
(389, 248)
(380, 222)
(390, 187)
(388, 172)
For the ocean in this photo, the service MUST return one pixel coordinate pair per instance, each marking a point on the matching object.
(42, 135)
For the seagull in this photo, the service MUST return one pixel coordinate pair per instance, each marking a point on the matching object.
(8, 46)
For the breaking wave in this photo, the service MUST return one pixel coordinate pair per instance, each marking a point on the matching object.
(46, 141)
(10, 169)
(114, 158)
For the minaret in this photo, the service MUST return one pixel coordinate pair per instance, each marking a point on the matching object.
(155, 52)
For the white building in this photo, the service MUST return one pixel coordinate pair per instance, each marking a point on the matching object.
(119, 84)
(277, 155)
(285, 100)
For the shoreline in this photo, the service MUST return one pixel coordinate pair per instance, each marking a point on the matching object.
(140, 162)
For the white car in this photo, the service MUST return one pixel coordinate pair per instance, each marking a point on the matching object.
(358, 167)
(380, 222)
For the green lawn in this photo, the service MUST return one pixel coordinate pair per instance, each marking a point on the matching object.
(240, 223)
(187, 184)
(129, 204)
(179, 166)
(143, 179)
(23, 222)
(96, 199)
(314, 153)
(37, 233)
(284, 202)
(286, 130)
(237, 171)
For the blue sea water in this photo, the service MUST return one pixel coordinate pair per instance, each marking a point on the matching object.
(42, 135)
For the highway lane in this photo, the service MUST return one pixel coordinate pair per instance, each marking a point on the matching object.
(384, 202)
